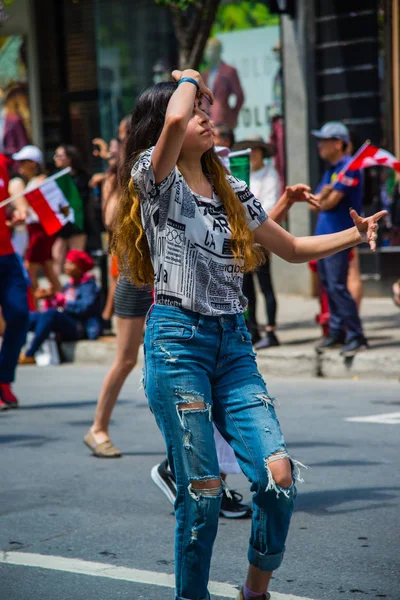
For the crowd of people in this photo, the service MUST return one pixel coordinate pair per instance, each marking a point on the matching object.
(70, 304)
(183, 231)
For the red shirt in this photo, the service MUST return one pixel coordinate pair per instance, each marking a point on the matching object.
(5, 233)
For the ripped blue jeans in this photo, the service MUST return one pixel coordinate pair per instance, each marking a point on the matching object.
(208, 362)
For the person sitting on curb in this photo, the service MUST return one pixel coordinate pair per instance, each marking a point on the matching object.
(75, 313)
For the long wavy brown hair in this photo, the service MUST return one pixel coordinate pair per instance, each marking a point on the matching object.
(129, 242)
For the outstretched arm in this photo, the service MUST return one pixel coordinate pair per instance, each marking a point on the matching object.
(303, 249)
(291, 195)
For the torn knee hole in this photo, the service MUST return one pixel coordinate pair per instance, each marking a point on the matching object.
(205, 487)
(281, 470)
(202, 484)
(192, 406)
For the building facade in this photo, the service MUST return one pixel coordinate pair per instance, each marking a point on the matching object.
(82, 64)
(341, 62)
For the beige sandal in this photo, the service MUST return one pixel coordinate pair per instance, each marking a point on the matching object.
(103, 450)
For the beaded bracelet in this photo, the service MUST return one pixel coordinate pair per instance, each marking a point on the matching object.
(189, 80)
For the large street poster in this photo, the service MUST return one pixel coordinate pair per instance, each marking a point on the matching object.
(253, 53)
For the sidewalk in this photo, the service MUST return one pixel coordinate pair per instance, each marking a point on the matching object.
(298, 333)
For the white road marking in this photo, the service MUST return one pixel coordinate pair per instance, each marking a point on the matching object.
(96, 569)
(384, 419)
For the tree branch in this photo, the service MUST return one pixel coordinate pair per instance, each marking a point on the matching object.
(195, 21)
(192, 21)
(179, 23)
(208, 15)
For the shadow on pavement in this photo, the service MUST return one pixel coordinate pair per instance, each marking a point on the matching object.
(316, 445)
(320, 503)
(160, 453)
(81, 404)
(345, 463)
(29, 440)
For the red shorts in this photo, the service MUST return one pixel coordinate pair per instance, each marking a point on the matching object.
(40, 244)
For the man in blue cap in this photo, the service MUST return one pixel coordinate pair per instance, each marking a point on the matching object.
(335, 200)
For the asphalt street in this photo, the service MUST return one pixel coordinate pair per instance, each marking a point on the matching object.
(63, 510)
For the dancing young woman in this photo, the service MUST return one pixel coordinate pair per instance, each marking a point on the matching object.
(187, 225)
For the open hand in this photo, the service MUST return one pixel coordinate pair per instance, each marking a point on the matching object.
(96, 179)
(18, 218)
(102, 151)
(368, 226)
(300, 193)
(203, 89)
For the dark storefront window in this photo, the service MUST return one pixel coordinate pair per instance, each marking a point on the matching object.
(387, 179)
(68, 75)
(354, 84)
(135, 46)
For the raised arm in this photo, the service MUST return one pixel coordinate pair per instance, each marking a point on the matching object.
(21, 206)
(303, 249)
(109, 201)
(178, 115)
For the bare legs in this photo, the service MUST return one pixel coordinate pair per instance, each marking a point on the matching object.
(48, 270)
(354, 282)
(33, 269)
(257, 580)
(129, 338)
(108, 310)
(60, 247)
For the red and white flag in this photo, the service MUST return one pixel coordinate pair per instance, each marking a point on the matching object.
(49, 201)
(368, 156)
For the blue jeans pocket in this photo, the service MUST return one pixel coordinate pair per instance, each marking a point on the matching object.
(173, 332)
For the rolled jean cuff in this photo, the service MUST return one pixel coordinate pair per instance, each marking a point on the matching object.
(265, 562)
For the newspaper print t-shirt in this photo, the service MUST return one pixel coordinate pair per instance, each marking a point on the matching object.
(189, 239)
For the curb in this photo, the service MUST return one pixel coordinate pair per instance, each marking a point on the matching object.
(283, 361)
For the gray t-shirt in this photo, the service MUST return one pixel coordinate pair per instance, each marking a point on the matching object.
(189, 239)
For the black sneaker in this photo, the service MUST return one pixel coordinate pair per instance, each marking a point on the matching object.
(162, 476)
(232, 508)
(255, 337)
(330, 341)
(269, 341)
(351, 348)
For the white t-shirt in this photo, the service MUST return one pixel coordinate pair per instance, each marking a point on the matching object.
(265, 185)
(189, 240)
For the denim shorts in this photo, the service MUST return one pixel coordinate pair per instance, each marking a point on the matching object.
(208, 362)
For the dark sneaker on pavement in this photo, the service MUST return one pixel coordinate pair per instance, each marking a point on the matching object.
(162, 476)
(255, 337)
(269, 341)
(330, 341)
(351, 348)
(3, 405)
(7, 397)
(232, 508)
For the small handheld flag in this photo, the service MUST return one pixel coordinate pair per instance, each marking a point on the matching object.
(51, 200)
(239, 162)
(367, 156)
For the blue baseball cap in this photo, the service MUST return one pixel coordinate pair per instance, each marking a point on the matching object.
(332, 130)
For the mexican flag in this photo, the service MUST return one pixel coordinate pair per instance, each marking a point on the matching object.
(51, 200)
